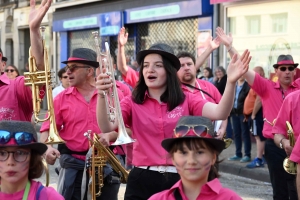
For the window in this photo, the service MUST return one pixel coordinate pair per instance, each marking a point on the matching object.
(253, 25)
(232, 25)
(279, 23)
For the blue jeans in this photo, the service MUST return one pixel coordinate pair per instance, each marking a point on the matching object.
(241, 132)
(229, 128)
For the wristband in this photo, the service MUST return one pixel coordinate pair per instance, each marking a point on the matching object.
(229, 48)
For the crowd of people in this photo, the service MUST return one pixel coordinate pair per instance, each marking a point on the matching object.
(178, 122)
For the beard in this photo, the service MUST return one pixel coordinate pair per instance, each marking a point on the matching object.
(188, 78)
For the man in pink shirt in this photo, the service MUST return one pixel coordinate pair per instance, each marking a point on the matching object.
(75, 109)
(15, 97)
(272, 95)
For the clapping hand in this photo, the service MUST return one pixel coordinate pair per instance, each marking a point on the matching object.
(36, 15)
(223, 38)
(122, 37)
(238, 66)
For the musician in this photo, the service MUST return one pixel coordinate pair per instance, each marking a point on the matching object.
(156, 105)
(272, 95)
(15, 97)
(75, 109)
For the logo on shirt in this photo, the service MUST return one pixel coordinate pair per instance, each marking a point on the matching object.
(175, 113)
(6, 114)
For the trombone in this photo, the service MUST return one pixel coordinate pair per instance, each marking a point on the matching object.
(112, 98)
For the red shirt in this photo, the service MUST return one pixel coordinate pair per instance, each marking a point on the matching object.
(207, 87)
(15, 99)
(212, 190)
(272, 98)
(151, 122)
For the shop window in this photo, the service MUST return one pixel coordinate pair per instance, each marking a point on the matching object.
(253, 25)
(279, 23)
(232, 25)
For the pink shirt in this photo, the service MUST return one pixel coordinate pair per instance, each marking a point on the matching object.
(272, 98)
(47, 193)
(15, 99)
(131, 77)
(207, 87)
(295, 155)
(212, 190)
(151, 123)
(289, 111)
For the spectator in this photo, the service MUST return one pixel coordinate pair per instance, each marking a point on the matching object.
(64, 79)
(220, 79)
(12, 72)
(208, 75)
(3, 65)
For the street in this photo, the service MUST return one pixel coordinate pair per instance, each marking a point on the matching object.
(248, 189)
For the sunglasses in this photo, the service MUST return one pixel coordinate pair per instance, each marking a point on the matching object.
(283, 69)
(20, 137)
(10, 70)
(183, 130)
(73, 67)
(65, 77)
(19, 155)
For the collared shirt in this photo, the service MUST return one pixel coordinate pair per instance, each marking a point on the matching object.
(15, 99)
(295, 155)
(212, 190)
(272, 97)
(57, 90)
(151, 122)
(77, 117)
(131, 77)
(207, 87)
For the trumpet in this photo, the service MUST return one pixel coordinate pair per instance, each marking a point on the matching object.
(36, 79)
(112, 98)
(228, 141)
(288, 165)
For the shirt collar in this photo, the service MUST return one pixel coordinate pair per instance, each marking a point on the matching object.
(277, 85)
(4, 79)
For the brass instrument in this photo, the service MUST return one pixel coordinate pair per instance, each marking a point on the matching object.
(112, 98)
(228, 141)
(37, 79)
(100, 156)
(288, 165)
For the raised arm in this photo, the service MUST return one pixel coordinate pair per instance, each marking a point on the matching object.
(121, 59)
(237, 68)
(36, 16)
(227, 40)
(211, 44)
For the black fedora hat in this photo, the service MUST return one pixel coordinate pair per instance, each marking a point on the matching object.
(285, 60)
(202, 123)
(161, 49)
(85, 56)
(25, 134)
(4, 59)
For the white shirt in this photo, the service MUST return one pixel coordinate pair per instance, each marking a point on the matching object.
(57, 90)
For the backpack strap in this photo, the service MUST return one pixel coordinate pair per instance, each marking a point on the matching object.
(177, 194)
(37, 195)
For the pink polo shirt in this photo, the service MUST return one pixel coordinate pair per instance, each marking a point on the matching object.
(151, 123)
(272, 99)
(295, 155)
(131, 77)
(15, 99)
(207, 87)
(212, 190)
(289, 111)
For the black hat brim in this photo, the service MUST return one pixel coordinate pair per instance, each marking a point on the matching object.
(4, 59)
(87, 62)
(277, 65)
(172, 58)
(219, 145)
(40, 148)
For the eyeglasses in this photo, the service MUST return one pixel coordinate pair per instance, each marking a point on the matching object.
(20, 137)
(73, 67)
(182, 130)
(65, 77)
(10, 70)
(19, 155)
(284, 68)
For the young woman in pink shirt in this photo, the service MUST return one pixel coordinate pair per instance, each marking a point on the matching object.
(194, 153)
(21, 162)
(152, 112)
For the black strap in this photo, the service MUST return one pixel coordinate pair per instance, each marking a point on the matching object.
(177, 194)
(63, 149)
(188, 85)
(37, 195)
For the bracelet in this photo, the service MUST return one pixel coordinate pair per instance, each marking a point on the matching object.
(229, 48)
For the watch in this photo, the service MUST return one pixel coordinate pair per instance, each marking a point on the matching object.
(280, 143)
